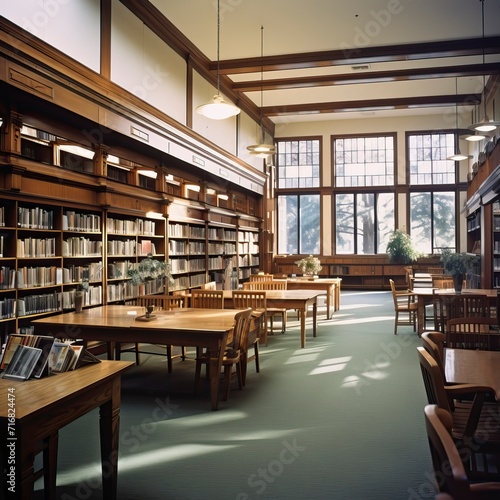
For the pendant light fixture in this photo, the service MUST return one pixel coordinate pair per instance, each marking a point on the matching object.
(457, 155)
(217, 108)
(262, 150)
(485, 125)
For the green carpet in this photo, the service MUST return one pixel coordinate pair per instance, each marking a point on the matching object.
(341, 419)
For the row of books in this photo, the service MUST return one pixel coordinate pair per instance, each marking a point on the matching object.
(36, 247)
(138, 226)
(81, 247)
(32, 356)
(35, 218)
(40, 303)
(89, 223)
(28, 277)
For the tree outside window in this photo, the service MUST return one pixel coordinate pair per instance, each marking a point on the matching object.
(299, 224)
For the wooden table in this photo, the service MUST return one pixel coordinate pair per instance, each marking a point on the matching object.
(467, 366)
(330, 286)
(424, 297)
(208, 328)
(288, 299)
(34, 410)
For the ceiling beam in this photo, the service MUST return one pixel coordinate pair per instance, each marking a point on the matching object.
(367, 77)
(361, 55)
(373, 104)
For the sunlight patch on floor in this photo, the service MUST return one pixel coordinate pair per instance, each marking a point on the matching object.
(356, 321)
(205, 419)
(303, 358)
(331, 365)
(92, 472)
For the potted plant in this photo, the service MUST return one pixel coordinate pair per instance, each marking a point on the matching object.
(458, 265)
(148, 270)
(400, 249)
(309, 265)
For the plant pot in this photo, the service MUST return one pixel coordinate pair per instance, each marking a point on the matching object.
(79, 296)
(458, 281)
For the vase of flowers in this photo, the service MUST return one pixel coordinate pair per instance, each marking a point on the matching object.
(310, 266)
(79, 298)
(149, 270)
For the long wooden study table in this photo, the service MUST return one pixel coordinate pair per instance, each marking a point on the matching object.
(329, 286)
(288, 299)
(208, 328)
(424, 296)
(34, 410)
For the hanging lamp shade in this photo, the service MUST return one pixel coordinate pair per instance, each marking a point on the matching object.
(457, 155)
(217, 108)
(485, 125)
(262, 149)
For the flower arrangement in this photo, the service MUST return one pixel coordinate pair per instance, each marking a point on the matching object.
(309, 265)
(150, 269)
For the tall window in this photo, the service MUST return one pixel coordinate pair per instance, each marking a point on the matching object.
(364, 222)
(364, 161)
(298, 224)
(298, 163)
(427, 155)
(432, 216)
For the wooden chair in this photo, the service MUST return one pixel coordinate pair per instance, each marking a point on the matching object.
(271, 311)
(405, 308)
(435, 270)
(447, 460)
(208, 299)
(433, 343)
(472, 333)
(256, 300)
(471, 416)
(232, 354)
(159, 303)
(260, 277)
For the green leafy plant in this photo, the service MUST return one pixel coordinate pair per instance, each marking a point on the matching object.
(309, 265)
(400, 249)
(83, 286)
(458, 264)
(150, 269)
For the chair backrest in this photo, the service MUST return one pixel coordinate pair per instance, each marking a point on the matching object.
(162, 302)
(471, 333)
(433, 343)
(433, 380)
(211, 285)
(208, 299)
(256, 299)
(409, 277)
(260, 277)
(435, 270)
(241, 328)
(442, 282)
(269, 285)
(446, 460)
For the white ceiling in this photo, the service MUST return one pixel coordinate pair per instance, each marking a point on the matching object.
(302, 26)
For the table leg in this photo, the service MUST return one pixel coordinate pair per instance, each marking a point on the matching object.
(109, 424)
(420, 314)
(329, 297)
(315, 311)
(303, 326)
(214, 372)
